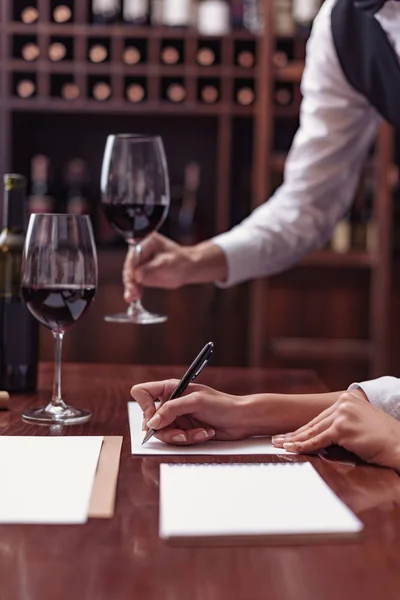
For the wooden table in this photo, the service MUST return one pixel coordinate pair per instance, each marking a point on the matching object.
(123, 558)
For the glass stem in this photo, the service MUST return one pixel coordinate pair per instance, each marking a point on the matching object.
(56, 399)
(136, 305)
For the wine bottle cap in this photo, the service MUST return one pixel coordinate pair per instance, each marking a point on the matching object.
(209, 94)
(101, 90)
(135, 92)
(29, 15)
(131, 55)
(280, 59)
(30, 51)
(176, 92)
(205, 56)
(245, 59)
(57, 51)
(170, 55)
(98, 53)
(62, 13)
(213, 17)
(25, 88)
(245, 96)
(70, 91)
(283, 97)
(4, 399)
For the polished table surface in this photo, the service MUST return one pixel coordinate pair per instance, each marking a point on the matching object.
(123, 558)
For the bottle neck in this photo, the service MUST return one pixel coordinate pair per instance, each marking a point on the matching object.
(14, 210)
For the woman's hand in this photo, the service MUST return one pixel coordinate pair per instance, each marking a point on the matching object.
(354, 424)
(200, 415)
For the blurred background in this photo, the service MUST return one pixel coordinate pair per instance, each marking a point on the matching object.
(219, 81)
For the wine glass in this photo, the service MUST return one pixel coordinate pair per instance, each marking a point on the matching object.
(135, 199)
(59, 279)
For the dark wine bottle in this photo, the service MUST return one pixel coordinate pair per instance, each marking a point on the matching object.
(19, 331)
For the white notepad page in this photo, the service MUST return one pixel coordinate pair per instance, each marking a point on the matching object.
(260, 445)
(200, 501)
(47, 479)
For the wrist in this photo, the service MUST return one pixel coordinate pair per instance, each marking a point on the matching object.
(206, 263)
(254, 415)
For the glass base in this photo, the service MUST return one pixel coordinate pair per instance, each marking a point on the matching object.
(143, 317)
(60, 415)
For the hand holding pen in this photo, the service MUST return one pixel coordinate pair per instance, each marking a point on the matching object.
(193, 371)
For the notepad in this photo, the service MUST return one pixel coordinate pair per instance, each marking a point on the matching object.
(47, 479)
(154, 447)
(250, 503)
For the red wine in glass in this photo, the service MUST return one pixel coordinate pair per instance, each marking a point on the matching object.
(135, 221)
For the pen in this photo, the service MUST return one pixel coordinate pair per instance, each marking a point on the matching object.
(193, 371)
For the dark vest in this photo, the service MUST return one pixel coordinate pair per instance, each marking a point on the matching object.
(367, 58)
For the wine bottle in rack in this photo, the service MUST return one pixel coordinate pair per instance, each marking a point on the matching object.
(131, 55)
(62, 13)
(106, 11)
(252, 16)
(135, 92)
(40, 199)
(177, 13)
(57, 52)
(284, 23)
(29, 15)
(175, 92)
(209, 92)
(213, 18)
(101, 91)
(341, 238)
(206, 56)
(283, 95)
(280, 59)
(26, 88)
(304, 13)
(98, 53)
(156, 13)
(187, 212)
(19, 331)
(245, 59)
(237, 14)
(30, 52)
(245, 95)
(76, 179)
(170, 55)
(136, 12)
(70, 91)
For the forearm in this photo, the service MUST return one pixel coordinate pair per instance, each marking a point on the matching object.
(207, 263)
(269, 414)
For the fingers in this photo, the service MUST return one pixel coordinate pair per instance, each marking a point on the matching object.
(170, 411)
(185, 438)
(308, 433)
(320, 441)
(279, 439)
(146, 394)
(131, 275)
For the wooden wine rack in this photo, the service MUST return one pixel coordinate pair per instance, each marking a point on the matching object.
(152, 73)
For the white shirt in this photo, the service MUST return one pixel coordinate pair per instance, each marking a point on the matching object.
(337, 128)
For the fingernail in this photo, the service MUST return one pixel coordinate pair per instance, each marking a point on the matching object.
(210, 433)
(179, 437)
(200, 436)
(289, 446)
(154, 422)
(144, 425)
(278, 439)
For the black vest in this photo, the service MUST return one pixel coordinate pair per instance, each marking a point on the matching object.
(367, 58)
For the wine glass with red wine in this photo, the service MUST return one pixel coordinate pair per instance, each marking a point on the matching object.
(59, 279)
(135, 199)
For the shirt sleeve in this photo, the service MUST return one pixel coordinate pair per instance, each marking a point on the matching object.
(337, 127)
(384, 393)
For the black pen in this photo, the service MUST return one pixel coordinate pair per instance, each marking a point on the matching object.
(193, 371)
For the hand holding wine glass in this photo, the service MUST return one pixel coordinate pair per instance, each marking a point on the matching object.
(59, 279)
(135, 198)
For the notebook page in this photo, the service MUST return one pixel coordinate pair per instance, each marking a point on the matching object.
(249, 500)
(47, 479)
(155, 447)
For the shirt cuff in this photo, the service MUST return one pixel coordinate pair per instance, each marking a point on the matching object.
(235, 245)
(384, 393)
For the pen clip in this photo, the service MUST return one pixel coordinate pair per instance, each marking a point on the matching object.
(199, 370)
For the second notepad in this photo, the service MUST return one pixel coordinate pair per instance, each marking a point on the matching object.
(251, 504)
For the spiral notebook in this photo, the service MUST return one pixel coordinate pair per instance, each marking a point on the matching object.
(220, 504)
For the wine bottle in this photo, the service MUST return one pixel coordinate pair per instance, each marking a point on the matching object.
(187, 213)
(106, 11)
(252, 16)
(135, 92)
(205, 56)
(26, 88)
(19, 330)
(245, 59)
(280, 59)
(30, 52)
(40, 200)
(283, 96)
(177, 13)
(213, 17)
(245, 96)
(62, 14)
(209, 94)
(70, 91)
(101, 91)
(341, 238)
(29, 15)
(131, 55)
(98, 53)
(170, 55)
(176, 92)
(57, 52)
(76, 179)
(136, 12)
(304, 13)
(284, 24)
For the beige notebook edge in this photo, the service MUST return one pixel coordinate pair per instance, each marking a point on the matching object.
(102, 501)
